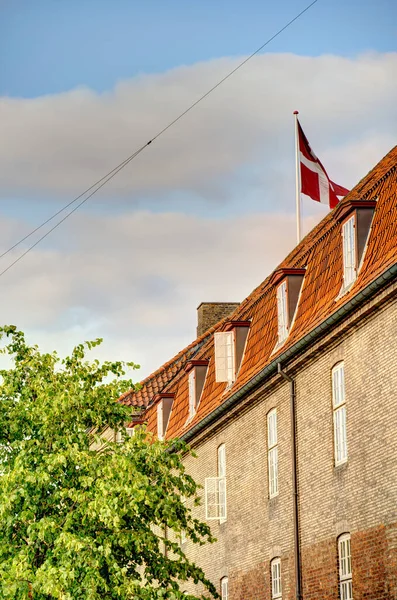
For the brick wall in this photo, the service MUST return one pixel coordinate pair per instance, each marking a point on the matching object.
(210, 313)
(359, 497)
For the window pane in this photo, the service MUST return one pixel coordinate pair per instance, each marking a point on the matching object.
(340, 434)
(346, 590)
(338, 385)
(225, 590)
(192, 392)
(222, 461)
(222, 498)
(349, 252)
(272, 428)
(276, 578)
(282, 311)
(273, 471)
(160, 422)
(224, 356)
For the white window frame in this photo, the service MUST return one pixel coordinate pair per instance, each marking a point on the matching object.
(339, 414)
(224, 357)
(222, 482)
(282, 312)
(345, 567)
(215, 490)
(224, 588)
(160, 420)
(192, 393)
(272, 452)
(349, 252)
(275, 573)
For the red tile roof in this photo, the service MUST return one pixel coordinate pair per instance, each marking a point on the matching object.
(320, 253)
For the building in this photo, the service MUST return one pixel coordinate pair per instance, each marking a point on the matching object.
(290, 403)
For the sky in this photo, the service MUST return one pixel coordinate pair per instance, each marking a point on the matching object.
(206, 211)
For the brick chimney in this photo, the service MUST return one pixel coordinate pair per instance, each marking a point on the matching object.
(210, 313)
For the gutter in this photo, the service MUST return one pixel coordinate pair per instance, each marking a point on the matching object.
(368, 292)
(297, 552)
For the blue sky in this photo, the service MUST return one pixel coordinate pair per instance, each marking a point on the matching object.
(207, 211)
(49, 46)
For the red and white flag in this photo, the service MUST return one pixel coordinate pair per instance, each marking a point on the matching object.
(314, 179)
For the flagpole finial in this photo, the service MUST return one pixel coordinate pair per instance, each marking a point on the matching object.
(296, 112)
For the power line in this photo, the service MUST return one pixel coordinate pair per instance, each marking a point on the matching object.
(101, 182)
(104, 181)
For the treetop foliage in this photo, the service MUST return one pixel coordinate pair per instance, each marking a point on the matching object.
(77, 522)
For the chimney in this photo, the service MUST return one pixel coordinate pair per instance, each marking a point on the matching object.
(210, 313)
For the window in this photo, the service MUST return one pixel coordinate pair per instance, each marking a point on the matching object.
(272, 452)
(349, 252)
(192, 393)
(160, 421)
(345, 567)
(224, 356)
(282, 312)
(197, 371)
(164, 406)
(339, 409)
(222, 482)
(215, 490)
(275, 570)
(224, 588)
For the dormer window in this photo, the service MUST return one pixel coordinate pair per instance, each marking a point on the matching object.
(229, 350)
(224, 356)
(197, 370)
(356, 218)
(282, 312)
(349, 252)
(289, 283)
(164, 407)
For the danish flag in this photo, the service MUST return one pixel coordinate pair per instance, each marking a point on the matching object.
(314, 179)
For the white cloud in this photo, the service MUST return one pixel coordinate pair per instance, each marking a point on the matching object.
(62, 143)
(136, 277)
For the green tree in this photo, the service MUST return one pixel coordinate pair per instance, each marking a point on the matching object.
(77, 523)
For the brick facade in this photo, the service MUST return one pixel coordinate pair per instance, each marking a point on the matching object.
(332, 320)
(359, 497)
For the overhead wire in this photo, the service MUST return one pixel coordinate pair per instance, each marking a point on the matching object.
(104, 180)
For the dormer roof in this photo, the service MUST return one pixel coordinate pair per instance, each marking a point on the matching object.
(344, 209)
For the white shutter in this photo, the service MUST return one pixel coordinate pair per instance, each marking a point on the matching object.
(339, 402)
(272, 428)
(160, 420)
(338, 385)
(192, 393)
(224, 356)
(222, 482)
(349, 252)
(272, 452)
(222, 461)
(282, 311)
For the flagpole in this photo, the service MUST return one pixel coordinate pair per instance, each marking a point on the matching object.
(297, 179)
